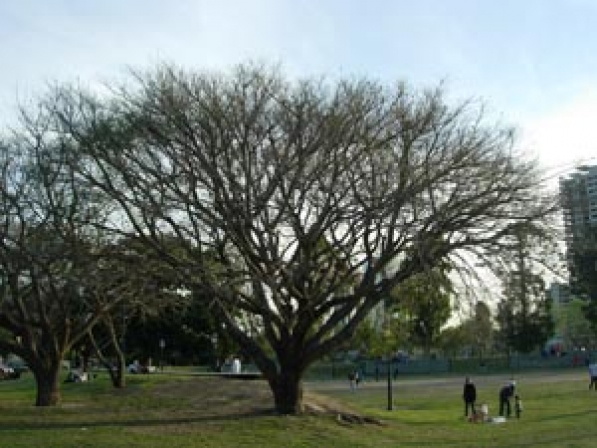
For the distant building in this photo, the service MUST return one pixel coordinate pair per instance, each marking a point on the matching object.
(578, 196)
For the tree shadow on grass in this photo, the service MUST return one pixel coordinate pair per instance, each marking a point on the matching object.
(158, 421)
(562, 415)
(206, 400)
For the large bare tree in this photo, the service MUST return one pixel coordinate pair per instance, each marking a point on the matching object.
(317, 198)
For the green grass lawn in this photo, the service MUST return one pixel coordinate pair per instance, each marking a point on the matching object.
(175, 411)
(558, 411)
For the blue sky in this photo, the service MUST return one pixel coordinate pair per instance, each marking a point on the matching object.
(533, 62)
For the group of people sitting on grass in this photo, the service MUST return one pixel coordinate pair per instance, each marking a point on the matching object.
(507, 392)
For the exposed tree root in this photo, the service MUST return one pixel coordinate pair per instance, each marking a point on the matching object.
(352, 419)
(315, 404)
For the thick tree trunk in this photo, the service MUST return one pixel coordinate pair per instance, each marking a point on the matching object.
(288, 392)
(117, 374)
(119, 379)
(48, 386)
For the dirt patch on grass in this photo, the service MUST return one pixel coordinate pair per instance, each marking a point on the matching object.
(215, 396)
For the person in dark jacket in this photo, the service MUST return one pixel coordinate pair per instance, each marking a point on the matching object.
(469, 395)
(506, 393)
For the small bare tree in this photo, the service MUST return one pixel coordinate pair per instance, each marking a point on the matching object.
(59, 272)
(149, 286)
(317, 199)
(45, 247)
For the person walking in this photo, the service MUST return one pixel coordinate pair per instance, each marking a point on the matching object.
(593, 376)
(352, 380)
(469, 395)
(506, 393)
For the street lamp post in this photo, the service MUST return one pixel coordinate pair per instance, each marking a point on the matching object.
(162, 346)
(390, 399)
(214, 344)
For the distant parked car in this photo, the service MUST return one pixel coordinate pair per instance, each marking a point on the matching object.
(18, 366)
(136, 367)
(77, 376)
(8, 373)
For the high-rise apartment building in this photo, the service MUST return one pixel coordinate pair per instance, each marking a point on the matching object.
(578, 193)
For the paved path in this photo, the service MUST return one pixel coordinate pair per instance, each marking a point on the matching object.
(488, 380)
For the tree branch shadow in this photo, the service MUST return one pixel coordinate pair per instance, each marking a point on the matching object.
(161, 421)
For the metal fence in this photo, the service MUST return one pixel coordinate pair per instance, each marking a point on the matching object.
(371, 368)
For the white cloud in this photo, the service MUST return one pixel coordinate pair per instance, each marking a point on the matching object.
(565, 136)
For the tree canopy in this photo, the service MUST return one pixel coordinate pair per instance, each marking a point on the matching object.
(524, 314)
(424, 304)
(258, 171)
